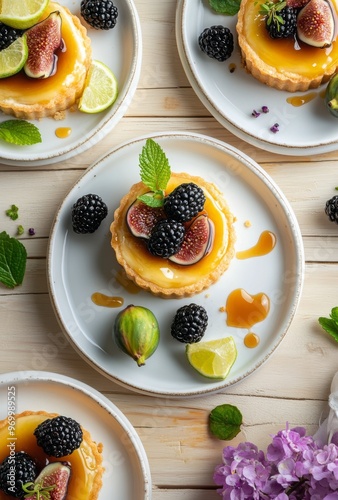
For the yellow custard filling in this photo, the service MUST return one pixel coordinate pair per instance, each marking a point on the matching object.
(287, 55)
(72, 65)
(132, 252)
(86, 468)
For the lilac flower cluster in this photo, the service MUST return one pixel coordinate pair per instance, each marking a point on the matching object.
(294, 467)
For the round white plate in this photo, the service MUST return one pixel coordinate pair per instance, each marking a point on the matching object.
(79, 265)
(231, 97)
(121, 50)
(126, 465)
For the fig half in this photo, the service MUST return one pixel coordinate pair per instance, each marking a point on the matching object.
(316, 24)
(52, 480)
(197, 242)
(43, 39)
(141, 218)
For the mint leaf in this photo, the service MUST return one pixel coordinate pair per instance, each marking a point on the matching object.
(13, 212)
(226, 7)
(20, 230)
(13, 257)
(154, 166)
(19, 132)
(154, 200)
(330, 325)
(225, 421)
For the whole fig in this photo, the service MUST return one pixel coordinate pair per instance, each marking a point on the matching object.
(331, 95)
(136, 333)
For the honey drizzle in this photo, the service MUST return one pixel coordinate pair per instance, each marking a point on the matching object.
(264, 245)
(251, 340)
(63, 132)
(300, 100)
(100, 299)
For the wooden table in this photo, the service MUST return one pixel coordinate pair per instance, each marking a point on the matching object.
(293, 385)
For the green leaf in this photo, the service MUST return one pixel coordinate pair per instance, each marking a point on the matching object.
(226, 7)
(13, 212)
(330, 325)
(154, 200)
(154, 166)
(334, 315)
(19, 132)
(20, 230)
(13, 257)
(225, 421)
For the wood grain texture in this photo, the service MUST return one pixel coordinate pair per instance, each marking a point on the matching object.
(294, 383)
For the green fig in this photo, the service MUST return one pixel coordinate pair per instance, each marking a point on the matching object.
(136, 333)
(331, 95)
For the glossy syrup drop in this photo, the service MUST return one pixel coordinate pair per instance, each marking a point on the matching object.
(264, 245)
(300, 100)
(245, 310)
(251, 340)
(232, 67)
(100, 299)
(63, 132)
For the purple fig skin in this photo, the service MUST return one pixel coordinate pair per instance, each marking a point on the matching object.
(43, 39)
(197, 242)
(141, 218)
(316, 24)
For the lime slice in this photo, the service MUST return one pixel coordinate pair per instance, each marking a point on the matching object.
(214, 358)
(100, 90)
(22, 14)
(13, 58)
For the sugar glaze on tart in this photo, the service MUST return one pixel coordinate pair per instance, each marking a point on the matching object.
(161, 276)
(32, 98)
(285, 64)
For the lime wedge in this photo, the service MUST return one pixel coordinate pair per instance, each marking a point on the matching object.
(13, 58)
(213, 358)
(100, 90)
(22, 14)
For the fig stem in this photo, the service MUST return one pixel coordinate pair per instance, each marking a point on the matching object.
(333, 103)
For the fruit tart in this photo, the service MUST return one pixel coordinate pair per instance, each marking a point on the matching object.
(176, 241)
(289, 44)
(49, 452)
(53, 78)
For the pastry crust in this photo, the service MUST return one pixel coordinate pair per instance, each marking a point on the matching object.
(160, 276)
(30, 98)
(298, 76)
(91, 451)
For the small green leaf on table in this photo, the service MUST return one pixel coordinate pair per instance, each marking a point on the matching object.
(330, 325)
(225, 421)
(13, 257)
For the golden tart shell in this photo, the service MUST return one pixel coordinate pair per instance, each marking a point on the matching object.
(283, 64)
(30, 98)
(86, 462)
(161, 276)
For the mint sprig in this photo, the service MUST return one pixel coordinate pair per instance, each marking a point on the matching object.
(19, 132)
(13, 257)
(225, 7)
(330, 325)
(225, 421)
(155, 173)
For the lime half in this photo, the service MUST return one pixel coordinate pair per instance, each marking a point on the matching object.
(100, 90)
(13, 58)
(213, 358)
(22, 14)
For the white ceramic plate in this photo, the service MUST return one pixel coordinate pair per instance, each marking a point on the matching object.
(79, 265)
(121, 50)
(231, 97)
(126, 465)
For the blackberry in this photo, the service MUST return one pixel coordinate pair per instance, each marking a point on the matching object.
(184, 203)
(21, 469)
(217, 42)
(59, 436)
(189, 324)
(88, 213)
(281, 20)
(99, 14)
(166, 238)
(331, 209)
(8, 35)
